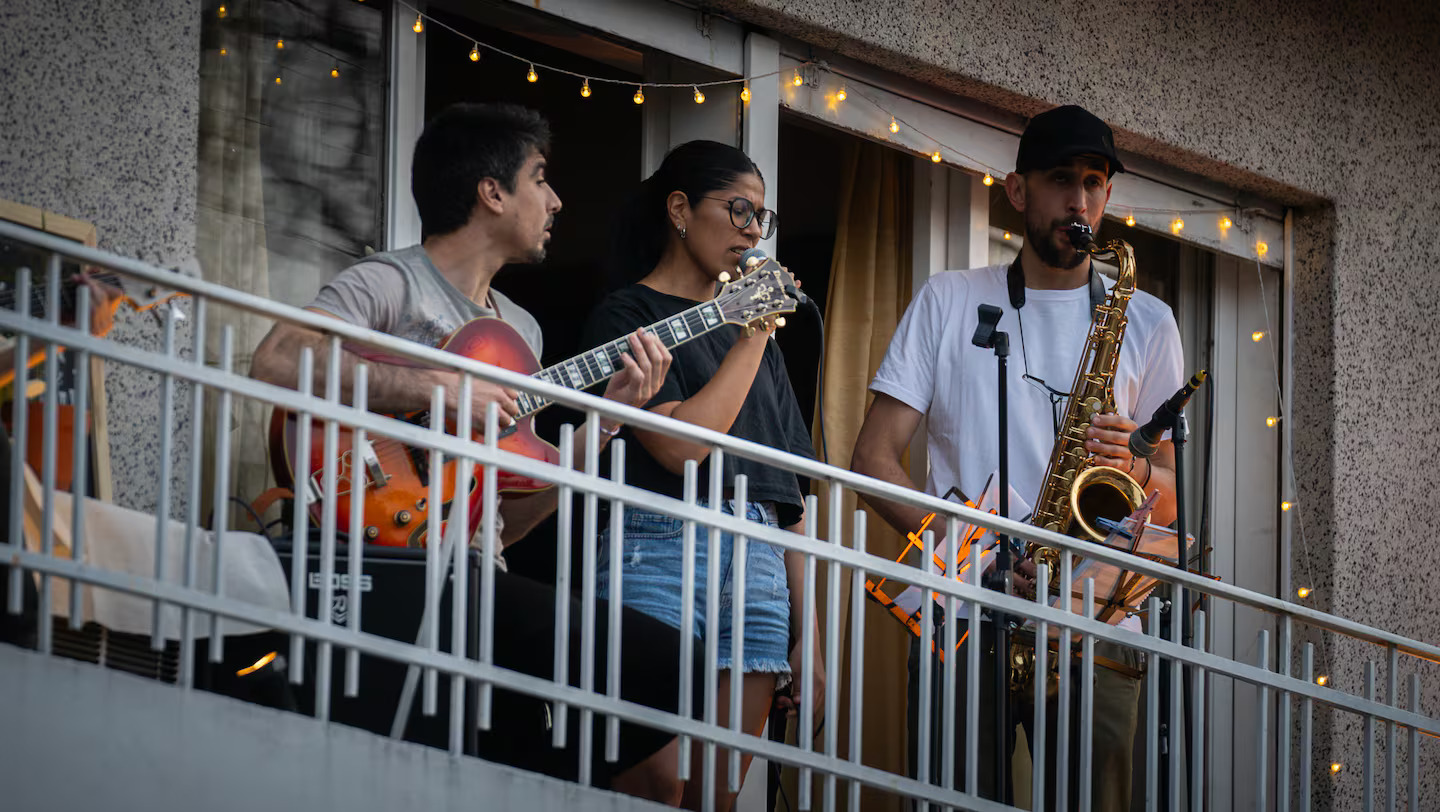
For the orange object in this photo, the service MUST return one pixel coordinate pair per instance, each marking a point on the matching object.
(35, 438)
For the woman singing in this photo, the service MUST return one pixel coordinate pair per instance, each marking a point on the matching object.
(690, 222)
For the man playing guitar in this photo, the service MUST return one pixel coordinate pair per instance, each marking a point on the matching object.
(478, 178)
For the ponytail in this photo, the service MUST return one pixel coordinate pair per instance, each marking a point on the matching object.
(695, 169)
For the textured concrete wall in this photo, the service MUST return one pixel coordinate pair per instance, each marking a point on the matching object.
(98, 121)
(1331, 107)
(78, 737)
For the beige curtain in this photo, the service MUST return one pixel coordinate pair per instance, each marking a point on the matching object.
(231, 238)
(869, 290)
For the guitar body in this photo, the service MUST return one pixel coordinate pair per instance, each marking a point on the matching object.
(397, 480)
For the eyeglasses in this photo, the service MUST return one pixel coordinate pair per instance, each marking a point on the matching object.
(742, 211)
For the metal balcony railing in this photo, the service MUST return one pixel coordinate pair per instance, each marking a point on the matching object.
(1288, 692)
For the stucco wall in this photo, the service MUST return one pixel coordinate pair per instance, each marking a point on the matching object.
(1330, 107)
(98, 106)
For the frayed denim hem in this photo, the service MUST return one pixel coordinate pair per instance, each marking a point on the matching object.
(758, 665)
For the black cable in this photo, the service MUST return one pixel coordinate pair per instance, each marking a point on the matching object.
(1203, 538)
(255, 517)
(820, 385)
(775, 766)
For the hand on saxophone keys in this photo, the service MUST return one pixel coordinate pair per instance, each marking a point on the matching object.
(1108, 441)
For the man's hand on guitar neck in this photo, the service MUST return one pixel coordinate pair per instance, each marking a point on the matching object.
(646, 366)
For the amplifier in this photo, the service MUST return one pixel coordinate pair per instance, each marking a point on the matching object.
(392, 587)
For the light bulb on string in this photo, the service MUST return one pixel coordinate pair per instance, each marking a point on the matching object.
(419, 24)
(531, 75)
(1257, 336)
(988, 180)
(1303, 592)
(699, 97)
(639, 96)
(1130, 220)
(224, 52)
(797, 81)
(335, 72)
(935, 156)
(585, 89)
(894, 125)
(475, 52)
(1271, 421)
(745, 94)
(840, 94)
(1226, 222)
(1336, 767)
(1006, 235)
(1321, 680)
(221, 13)
(1177, 225)
(279, 44)
(277, 80)
(1286, 505)
(1261, 249)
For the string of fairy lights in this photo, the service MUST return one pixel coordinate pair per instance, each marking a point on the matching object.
(1227, 218)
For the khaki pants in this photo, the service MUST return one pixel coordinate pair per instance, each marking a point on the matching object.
(1116, 708)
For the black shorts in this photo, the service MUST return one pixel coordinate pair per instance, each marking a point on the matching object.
(520, 731)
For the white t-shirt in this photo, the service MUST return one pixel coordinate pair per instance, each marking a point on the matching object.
(932, 367)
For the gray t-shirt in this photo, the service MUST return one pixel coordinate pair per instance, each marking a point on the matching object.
(402, 293)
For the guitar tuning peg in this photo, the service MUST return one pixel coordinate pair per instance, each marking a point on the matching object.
(749, 330)
(724, 277)
(779, 321)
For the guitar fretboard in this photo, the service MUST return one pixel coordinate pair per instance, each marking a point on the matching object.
(603, 362)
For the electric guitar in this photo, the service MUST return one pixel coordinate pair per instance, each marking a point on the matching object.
(395, 479)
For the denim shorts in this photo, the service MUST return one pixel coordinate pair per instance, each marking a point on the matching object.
(651, 570)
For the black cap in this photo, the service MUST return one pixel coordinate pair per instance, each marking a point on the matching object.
(1057, 135)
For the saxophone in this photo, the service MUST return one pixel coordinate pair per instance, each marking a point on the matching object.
(1075, 492)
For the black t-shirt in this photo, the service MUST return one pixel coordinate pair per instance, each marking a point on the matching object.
(769, 416)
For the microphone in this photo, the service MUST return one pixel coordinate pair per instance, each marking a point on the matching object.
(757, 256)
(985, 331)
(1146, 439)
(751, 258)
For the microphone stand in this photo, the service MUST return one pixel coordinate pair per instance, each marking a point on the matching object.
(1000, 579)
(1180, 609)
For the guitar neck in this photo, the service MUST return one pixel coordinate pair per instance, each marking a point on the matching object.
(603, 362)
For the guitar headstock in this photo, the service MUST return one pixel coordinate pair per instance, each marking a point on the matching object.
(764, 289)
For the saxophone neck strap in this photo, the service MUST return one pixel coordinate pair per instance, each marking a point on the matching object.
(1015, 281)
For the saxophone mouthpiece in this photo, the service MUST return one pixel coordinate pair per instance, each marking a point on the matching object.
(1080, 236)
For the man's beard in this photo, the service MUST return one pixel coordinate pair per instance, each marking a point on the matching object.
(536, 255)
(1041, 238)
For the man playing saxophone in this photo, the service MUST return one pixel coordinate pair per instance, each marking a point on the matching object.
(932, 370)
